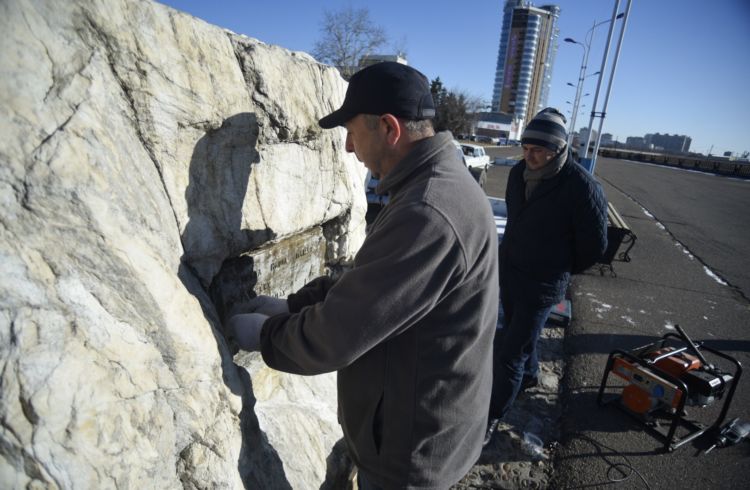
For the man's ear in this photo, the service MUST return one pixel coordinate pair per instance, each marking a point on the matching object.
(392, 128)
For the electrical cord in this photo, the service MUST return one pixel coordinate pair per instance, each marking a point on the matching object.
(612, 464)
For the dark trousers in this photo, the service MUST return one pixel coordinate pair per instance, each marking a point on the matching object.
(515, 348)
(365, 483)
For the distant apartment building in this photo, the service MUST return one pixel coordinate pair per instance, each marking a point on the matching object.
(580, 138)
(636, 143)
(672, 143)
(526, 55)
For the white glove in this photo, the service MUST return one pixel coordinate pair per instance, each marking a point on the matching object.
(268, 305)
(245, 329)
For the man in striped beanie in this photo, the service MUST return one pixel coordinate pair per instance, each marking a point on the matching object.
(542, 140)
(557, 226)
(547, 129)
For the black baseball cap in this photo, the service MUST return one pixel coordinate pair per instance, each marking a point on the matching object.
(384, 88)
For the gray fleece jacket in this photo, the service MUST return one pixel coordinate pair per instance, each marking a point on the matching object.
(409, 329)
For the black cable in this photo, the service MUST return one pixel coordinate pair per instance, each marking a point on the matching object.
(613, 465)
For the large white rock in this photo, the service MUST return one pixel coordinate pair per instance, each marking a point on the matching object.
(144, 154)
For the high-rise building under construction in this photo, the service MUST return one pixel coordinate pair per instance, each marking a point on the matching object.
(528, 45)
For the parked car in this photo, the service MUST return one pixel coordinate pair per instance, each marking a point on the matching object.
(477, 161)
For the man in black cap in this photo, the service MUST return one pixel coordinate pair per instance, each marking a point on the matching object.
(409, 328)
(557, 225)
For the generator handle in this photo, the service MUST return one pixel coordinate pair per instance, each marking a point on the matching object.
(667, 354)
(693, 347)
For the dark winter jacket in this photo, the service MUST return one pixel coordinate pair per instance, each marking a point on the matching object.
(409, 328)
(561, 229)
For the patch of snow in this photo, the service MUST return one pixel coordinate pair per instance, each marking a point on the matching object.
(684, 250)
(602, 307)
(712, 275)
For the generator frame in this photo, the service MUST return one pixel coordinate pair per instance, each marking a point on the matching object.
(677, 415)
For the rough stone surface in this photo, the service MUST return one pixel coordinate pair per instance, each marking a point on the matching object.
(146, 156)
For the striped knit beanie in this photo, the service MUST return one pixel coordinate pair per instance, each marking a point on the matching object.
(546, 129)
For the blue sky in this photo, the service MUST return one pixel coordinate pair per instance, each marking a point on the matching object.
(684, 66)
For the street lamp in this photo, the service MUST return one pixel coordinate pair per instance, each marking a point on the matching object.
(582, 74)
(585, 160)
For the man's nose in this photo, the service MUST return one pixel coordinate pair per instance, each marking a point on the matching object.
(349, 145)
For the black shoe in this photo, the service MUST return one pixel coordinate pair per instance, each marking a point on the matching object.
(529, 382)
(491, 427)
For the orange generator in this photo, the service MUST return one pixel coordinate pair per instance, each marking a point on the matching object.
(664, 377)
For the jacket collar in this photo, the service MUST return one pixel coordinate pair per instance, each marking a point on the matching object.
(423, 152)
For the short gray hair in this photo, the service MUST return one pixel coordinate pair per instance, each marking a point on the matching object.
(371, 121)
(421, 127)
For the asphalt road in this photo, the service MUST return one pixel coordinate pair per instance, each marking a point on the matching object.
(689, 267)
(709, 214)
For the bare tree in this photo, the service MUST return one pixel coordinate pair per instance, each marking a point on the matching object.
(347, 35)
(456, 110)
(474, 105)
(399, 47)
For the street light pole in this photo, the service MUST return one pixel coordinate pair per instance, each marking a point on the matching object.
(609, 85)
(585, 160)
(589, 38)
(574, 118)
(578, 86)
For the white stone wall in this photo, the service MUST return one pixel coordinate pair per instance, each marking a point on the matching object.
(141, 148)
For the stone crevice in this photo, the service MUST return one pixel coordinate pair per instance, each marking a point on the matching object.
(58, 129)
(127, 92)
(46, 52)
(258, 94)
(10, 430)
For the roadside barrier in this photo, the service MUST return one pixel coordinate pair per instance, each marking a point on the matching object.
(714, 165)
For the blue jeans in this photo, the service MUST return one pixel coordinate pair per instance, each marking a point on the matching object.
(531, 368)
(514, 349)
